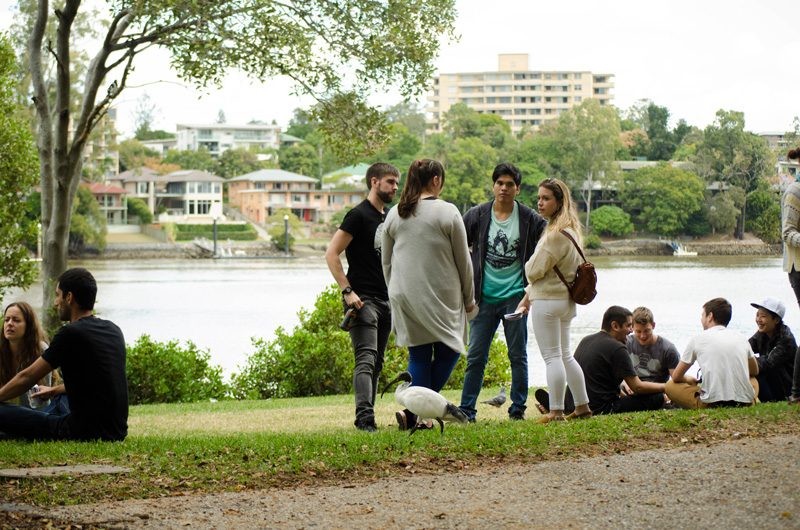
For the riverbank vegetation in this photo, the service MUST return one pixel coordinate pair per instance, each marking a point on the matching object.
(182, 449)
(313, 359)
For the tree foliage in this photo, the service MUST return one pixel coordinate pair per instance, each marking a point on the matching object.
(729, 154)
(301, 158)
(612, 221)
(764, 213)
(138, 208)
(236, 162)
(336, 52)
(200, 159)
(722, 213)
(87, 224)
(586, 140)
(18, 172)
(661, 199)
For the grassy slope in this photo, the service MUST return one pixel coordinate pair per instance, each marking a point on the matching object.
(237, 445)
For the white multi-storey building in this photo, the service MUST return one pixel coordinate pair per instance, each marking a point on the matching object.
(522, 97)
(219, 137)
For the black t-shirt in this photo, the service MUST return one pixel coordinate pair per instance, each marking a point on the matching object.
(364, 267)
(605, 363)
(91, 353)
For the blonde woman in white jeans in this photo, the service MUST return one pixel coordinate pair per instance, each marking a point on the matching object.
(551, 308)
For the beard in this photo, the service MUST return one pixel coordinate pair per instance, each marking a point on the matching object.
(385, 196)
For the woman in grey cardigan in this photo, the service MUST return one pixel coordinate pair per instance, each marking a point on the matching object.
(428, 273)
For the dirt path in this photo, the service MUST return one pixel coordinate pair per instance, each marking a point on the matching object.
(745, 483)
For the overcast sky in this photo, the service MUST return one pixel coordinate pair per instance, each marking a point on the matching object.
(693, 57)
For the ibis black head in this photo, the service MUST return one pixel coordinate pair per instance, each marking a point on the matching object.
(403, 376)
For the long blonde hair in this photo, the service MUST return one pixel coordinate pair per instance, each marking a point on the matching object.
(566, 216)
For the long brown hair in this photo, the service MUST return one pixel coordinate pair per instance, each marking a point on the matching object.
(31, 343)
(566, 216)
(420, 175)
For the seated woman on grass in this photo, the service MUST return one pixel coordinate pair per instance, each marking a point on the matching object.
(21, 343)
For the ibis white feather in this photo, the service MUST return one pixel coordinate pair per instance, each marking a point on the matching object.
(424, 402)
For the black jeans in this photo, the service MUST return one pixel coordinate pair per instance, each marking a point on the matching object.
(369, 335)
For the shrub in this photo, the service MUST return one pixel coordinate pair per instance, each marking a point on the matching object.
(164, 372)
(764, 213)
(316, 358)
(592, 241)
(611, 220)
(138, 208)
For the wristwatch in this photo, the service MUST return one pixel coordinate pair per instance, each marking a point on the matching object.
(347, 290)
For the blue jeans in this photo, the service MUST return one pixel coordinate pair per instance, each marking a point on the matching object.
(481, 332)
(369, 335)
(31, 424)
(430, 365)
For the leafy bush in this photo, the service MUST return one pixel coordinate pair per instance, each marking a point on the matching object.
(164, 372)
(138, 208)
(592, 241)
(317, 358)
(611, 220)
(764, 214)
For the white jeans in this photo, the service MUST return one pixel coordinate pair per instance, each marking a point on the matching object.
(551, 320)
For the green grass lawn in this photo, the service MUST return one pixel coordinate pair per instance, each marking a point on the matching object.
(238, 445)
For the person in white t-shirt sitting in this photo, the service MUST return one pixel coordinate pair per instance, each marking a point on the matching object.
(727, 364)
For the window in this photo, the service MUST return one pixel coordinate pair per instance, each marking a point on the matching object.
(298, 198)
(258, 185)
(577, 87)
(141, 187)
(578, 99)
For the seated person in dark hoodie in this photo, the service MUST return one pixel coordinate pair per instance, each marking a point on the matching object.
(775, 346)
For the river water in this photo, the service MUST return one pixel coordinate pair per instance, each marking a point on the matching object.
(221, 304)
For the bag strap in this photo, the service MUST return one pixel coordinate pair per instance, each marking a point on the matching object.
(578, 248)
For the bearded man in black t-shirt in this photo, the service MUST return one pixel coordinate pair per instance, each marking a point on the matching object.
(91, 354)
(363, 287)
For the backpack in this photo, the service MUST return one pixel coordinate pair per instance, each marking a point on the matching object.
(583, 288)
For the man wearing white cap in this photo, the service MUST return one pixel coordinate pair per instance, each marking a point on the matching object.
(775, 347)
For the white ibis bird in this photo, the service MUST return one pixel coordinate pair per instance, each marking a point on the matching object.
(424, 402)
(499, 399)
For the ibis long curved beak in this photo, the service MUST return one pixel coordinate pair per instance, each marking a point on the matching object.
(403, 376)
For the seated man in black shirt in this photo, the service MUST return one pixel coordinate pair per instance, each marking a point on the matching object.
(91, 355)
(605, 361)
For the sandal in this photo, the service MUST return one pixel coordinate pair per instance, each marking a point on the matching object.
(405, 419)
(544, 420)
(542, 401)
(582, 416)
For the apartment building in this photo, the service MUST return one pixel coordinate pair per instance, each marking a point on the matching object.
(219, 137)
(260, 193)
(522, 97)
